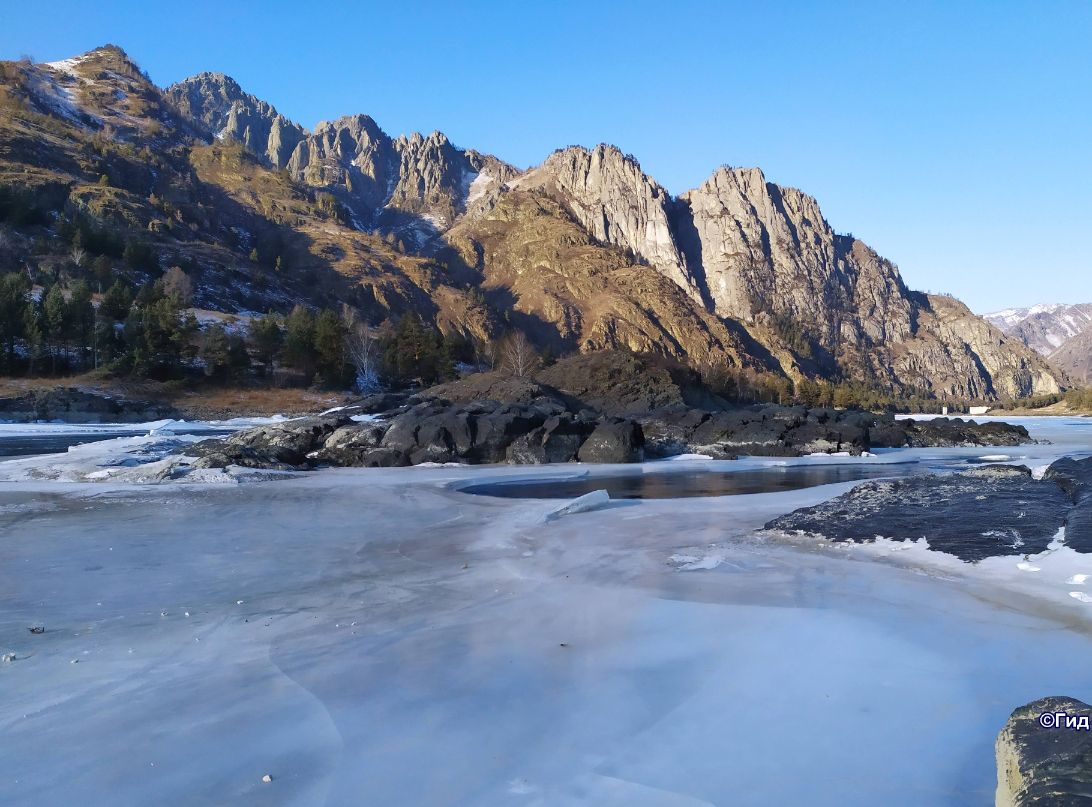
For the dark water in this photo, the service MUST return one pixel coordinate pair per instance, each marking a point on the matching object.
(684, 484)
(35, 444)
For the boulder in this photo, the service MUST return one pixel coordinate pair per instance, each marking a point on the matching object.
(350, 445)
(669, 432)
(557, 440)
(614, 440)
(1043, 761)
(282, 446)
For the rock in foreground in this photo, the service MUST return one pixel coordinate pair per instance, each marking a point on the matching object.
(1041, 760)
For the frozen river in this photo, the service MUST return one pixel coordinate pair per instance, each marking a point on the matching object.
(381, 637)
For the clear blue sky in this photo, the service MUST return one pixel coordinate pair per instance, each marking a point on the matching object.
(955, 137)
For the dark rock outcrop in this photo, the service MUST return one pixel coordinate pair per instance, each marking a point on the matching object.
(541, 429)
(945, 432)
(1045, 762)
(431, 431)
(559, 439)
(279, 446)
(771, 430)
(73, 405)
(614, 440)
(975, 514)
(487, 432)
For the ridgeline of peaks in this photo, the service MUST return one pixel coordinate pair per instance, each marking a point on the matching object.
(584, 251)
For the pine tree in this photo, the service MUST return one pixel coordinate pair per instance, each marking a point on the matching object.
(116, 302)
(81, 319)
(267, 338)
(330, 347)
(32, 336)
(13, 295)
(103, 270)
(299, 340)
(215, 350)
(55, 314)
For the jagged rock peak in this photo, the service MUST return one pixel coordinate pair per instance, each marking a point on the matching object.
(217, 101)
(612, 198)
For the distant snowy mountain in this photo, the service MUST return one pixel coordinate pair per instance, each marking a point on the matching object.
(1075, 356)
(1043, 328)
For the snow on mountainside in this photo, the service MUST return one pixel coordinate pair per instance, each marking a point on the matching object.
(1044, 327)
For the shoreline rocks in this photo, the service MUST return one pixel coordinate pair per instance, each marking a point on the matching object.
(602, 407)
(73, 405)
(546, 429)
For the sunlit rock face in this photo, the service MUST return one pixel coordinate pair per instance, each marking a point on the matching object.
(618, 204)
(583, 252)
(221, 104)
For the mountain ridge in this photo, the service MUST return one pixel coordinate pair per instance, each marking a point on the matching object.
(583, 251)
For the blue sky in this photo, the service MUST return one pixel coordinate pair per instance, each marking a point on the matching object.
(955, 138)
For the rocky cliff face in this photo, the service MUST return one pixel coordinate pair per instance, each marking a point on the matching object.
(957, 353)
(618, 204)
(767, 250)
(761, 255)
(350, 155)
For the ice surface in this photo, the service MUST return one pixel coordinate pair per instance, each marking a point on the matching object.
(374, 636)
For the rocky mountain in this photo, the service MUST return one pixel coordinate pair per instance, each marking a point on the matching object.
(1043, 328)
(219, 103)
(582, 252)
(1061, 331)
(763, 257)
(416, 185)
(1074, 356)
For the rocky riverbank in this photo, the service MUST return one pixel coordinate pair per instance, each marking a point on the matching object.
(536, 424)
(74, 405)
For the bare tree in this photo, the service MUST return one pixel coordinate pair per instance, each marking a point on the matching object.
(518, 357)
(362, 348)
(176, 283)
(78, 255)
